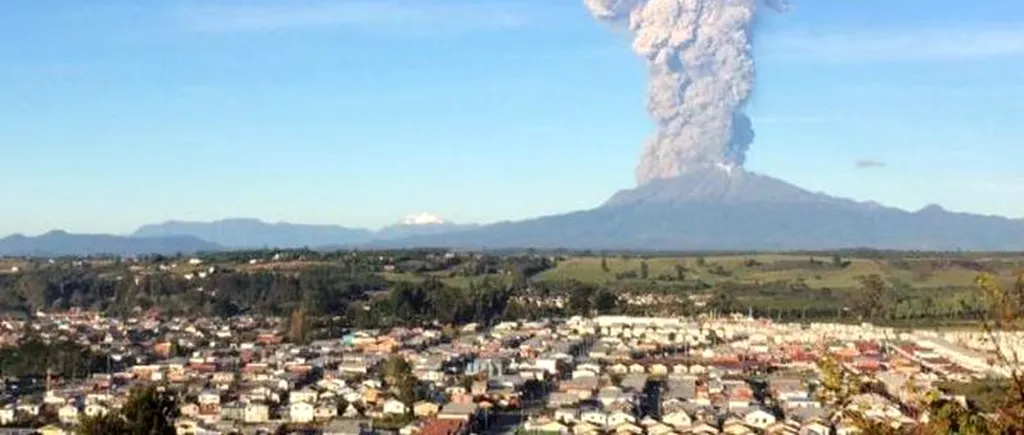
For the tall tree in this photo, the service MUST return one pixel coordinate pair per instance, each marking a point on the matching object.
(147, 412)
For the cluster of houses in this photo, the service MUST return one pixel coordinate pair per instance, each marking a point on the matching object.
(603, 375)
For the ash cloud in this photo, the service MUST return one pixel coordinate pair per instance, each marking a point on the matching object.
(698, 54)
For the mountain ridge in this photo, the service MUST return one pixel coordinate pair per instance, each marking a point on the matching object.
(57, 243)
(246, 233)
(705, 209)
(714, 208)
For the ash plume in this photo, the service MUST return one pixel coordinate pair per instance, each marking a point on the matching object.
(701, 76)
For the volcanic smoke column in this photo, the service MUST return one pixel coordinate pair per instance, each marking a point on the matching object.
(702, 73)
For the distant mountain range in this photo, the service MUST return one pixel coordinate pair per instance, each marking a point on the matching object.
(60, 243)
(710, 209)
(253, 233)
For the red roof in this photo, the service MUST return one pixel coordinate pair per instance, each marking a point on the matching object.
(441, 427)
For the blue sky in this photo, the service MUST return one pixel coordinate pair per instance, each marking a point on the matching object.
(358, 112)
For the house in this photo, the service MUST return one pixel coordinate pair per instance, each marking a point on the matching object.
(51, 429)
(343, 427)
(325, 412)
(6, 415)
(611, 394)
(26, 408)
(736, 427)
(595, 417)
(677, 419)
(256, 413)
(301, 412)
(478, 388)
(782, 428)
(560, 400)
(189, 410)
(395, 407)
(304, 395)
(68, 414)
(584, 428)
(703, 428)
(618, 418)
(759, 418)
(660, 429)
(423, 409)
(458, 411)
(184, 426)
(351, 411)
(627, 428)
(95, 410)
(567, 415)
(546, 426)
(659, 369)
(815, 428)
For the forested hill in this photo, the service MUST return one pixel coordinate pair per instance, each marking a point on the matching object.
(400, 287)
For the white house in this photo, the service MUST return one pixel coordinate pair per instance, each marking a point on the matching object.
(301, 412)
(595, 417)
(68, 414)
(395, 407)
(677, 419)
(256, 413)
(552, 427)
(95, 410)
(6, 415)
(759, 418)
(618, 418)
(567, 415)
(209, 398)
(628, 428)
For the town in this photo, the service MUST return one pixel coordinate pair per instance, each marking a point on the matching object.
(612, 374)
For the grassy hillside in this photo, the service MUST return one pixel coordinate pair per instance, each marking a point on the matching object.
(817, 272)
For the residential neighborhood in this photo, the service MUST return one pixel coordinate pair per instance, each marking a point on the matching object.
(599, 375)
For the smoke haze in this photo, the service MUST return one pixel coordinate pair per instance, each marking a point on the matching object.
(701, 76)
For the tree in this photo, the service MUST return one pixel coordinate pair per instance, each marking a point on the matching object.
(147, 412)
(605, 301)
(870, 296)
(837, 261)
(723, 302)
(298, 326)
(399, 380)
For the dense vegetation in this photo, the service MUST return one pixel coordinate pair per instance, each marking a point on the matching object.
(148, 411)
(32, 357)
(417, 286)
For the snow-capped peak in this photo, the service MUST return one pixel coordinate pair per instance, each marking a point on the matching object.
(423, 219)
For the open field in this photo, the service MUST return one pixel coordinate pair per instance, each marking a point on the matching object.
(821, 273)
(10, 266)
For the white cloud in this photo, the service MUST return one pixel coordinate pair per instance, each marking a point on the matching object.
(923, 44)
(392, 16)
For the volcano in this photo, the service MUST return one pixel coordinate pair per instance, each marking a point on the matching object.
(733, 209)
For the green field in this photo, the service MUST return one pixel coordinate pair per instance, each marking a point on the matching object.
(922, 273)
